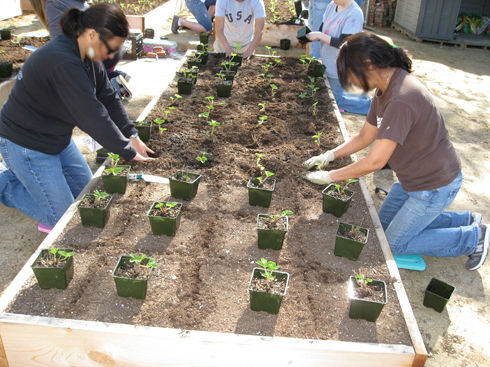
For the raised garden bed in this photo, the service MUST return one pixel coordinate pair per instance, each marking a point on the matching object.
(280, 24)
(197, 308)
(12, 50)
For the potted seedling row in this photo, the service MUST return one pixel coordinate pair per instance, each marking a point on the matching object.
(350, 240)
(185, 82)
(367, 297)
(184, 185)
(53, 268)
(144, 129)
(271, 229)
(94, 209)
(267, 287)
(164, 217)
(204, 37)
(261, 187)
(115, 178)
(131, 275)
(337, 198)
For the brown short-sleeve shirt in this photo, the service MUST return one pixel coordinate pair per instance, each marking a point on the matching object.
(424, 158)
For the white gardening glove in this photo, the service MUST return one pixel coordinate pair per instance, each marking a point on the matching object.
(319, 177)
(324, 159)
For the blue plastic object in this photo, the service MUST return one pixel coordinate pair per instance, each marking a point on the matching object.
(411, 262)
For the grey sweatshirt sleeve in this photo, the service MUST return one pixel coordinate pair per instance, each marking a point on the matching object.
(78, 93)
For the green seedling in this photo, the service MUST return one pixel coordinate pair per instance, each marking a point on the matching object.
(340, 189)
(306, 61)
(160, 123)
(210, 99)
(269, 267)
(141, 123)
(210, 107)
(273, 88)
(318, 166)
(59, 255)
(214, 125)
(143, 261)
(262, 107)
(284, 213)
(221, 76)
(114, 170)
(202, 158)
(262, 119)
(164, 207)
(227, 65)
(237, 47)
(314, 108)
(303, 95)
(316, 138)
(261, 180)
(363, 282)
(99, 195)
(175, 98)
(259, 167)
(204, 114)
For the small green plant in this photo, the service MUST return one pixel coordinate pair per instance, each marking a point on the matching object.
(273, 89)
(340, 189)
(99, 195)
(258, 166)
(262, 179)
(143, 261)
(316, 138)
(312, 86)
(306, 61)
(269, 267)
(237, 47)
(314, 108)
(160, 123)
(175, 98)
(284, 213)
(262, 107)
(114, 170)
(210, 99)
(303, 95)
(214, 125)
(164, 207)
(262, 119)
(202, 158)
(204, 114)
(363, 283)
(221, 76)
(227, 65)
(58, 255)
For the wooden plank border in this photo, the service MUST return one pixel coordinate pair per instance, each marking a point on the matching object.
(36, 340)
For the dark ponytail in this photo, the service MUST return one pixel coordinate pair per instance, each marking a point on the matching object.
(363, 49)
(107, 19)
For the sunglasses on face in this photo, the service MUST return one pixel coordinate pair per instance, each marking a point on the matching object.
(110, 50)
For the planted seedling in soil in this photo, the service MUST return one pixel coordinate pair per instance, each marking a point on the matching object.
(165, 209)
(316, 139)
(138, 267)
(273, 89)
(338, 190)
(314, 104)
(262, 119)
(214, 125)
(262, 107)
(175, 98)
(275, 221)
(366, 290)
(98, 199)
(268, 282)
(54, 258)
(306, 61)
(160, 123)
(354, 233)
(202, 158)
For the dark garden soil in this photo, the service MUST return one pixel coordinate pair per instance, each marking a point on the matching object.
(89, 201)
(270, 223)
(284, 10)
(134, 7)
(11, 50)
(354, 234)
(369, 292)
(204, 271)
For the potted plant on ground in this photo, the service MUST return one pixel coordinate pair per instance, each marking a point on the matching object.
(185, 83)
(367, 297)
(271, 229)
(5, 69)
(115, 178)
(131, 275)
(193, 61)
(144, 129)
(164, 217)
(203, 56)
(53, 268)
(223, 86)
(317, 69)
(230, 65)
(437, 294)
(184, 185)
(204, 37)
(261, 186)
(236, 56)
(267, 287)
(284, 43)
(350, 240)
(336, 198)
(94, 208)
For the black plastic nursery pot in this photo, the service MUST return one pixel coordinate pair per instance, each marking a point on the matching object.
(270, 238)
(268, 302)
(347, 247)
(149, 33)
(234, 66)
(116, 184)
(193, 61)
(298, 6)
(223, 88)
(144, 129)
(301, 35)
(238, 58)
(362, 308)
(284, 44)
(258, 196)
(5, 33)
(5, 69)
(317, 69)
(127, 287)
(94, 217)
(182, 189)
(101, 155)
(229, 75)
(164, 225)
(437, 294)
(203, 56)
(184, 85)
(204, 37)
(53, 277)
(304, 14)
(334, 205)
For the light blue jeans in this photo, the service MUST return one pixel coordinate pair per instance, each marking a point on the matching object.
(42, 186)
(353, 103)
(416, 223)
(200, 12)
(315, 19)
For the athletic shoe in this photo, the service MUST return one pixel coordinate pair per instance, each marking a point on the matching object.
(475, 218)
(44, 228)
(175, 25)
(478, 257)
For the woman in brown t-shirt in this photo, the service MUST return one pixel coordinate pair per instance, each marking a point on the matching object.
(407, 131)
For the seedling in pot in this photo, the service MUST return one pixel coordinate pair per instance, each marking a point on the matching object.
(143, 261)
(316, 139)
(99, 195)
(114, 170)
(260, 168)
(269, 267)
(262, 179)
(202, 158)
(262, 119)
(59, 255)
(164, 207)
(363, 283)
(227, 65)
(340, 189)
(214, 125)
(284, 213)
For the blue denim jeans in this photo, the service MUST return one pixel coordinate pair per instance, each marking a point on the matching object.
(200, 12)
(42, 186)
(353, 103)
(315, 19)
(416, 223)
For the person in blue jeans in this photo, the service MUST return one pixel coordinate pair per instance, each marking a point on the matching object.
(62, 85)
(341, 18)
(407, 131)
(203, 11)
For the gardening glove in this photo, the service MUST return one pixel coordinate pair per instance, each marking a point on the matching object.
(319, 177)
(323, 159)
